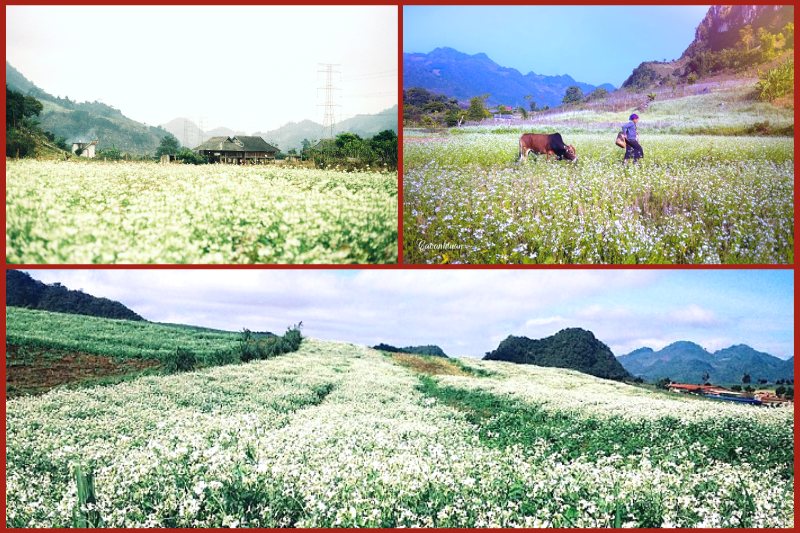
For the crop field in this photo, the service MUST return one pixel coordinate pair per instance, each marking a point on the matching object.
(341, 435)
(81, 212)
(693, 199)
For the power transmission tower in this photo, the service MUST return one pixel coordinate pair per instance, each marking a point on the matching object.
(328, 120)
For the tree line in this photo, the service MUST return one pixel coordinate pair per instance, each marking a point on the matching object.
(24, 135)
(347, 150)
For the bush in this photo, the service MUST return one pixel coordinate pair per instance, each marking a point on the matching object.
(776, 82)
(252, 347)
(182, 360)
(223, 357)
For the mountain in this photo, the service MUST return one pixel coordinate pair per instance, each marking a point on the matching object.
(24, 291)
(430, 349)
(573, 348)
(462, 76)
(688, 362)
(719, 29)
(291, 134)
(85, 121)
(190, 135)
(718, 46)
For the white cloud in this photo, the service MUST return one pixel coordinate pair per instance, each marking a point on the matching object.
(694, 315)
(544, 321)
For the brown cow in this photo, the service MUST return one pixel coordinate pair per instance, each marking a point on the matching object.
(548, 144)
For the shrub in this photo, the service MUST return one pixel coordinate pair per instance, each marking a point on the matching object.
(181, 360)
(776, 82)
(253, 347)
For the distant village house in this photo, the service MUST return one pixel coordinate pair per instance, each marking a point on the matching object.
(83, 149)
(238, 150)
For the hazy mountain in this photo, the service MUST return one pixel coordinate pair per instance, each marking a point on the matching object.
(24, 291)
(688, 362)
(289, 135)
(573, 348)
(85, 121)
(190, 135)
(462, 76)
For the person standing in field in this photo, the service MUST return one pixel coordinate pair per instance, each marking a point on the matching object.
(632, 147)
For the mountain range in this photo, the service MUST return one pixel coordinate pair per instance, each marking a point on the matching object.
(688, 362)
(85, 121)
(24, 291)
(463, 76)
(291, 134)
(573, 348)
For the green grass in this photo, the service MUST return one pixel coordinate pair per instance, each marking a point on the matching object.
(505, 422)
(121, 339)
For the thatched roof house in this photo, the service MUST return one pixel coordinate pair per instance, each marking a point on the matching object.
(239, 149)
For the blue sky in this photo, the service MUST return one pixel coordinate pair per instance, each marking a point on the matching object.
(466, 312)
(593, 44)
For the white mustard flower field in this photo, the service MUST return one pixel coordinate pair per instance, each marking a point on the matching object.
(81, 212)
(339, 435)
(693, 199)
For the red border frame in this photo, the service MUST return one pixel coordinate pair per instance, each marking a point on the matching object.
(400, 264)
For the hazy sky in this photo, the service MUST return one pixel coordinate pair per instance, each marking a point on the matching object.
(466, 312)
(244, 67)
(593, 44)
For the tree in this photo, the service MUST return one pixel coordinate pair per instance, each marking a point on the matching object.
(705, 377)
(789, 394)
(384, 145)
(768, 43)
(522, 112)
(112, 154)
(663, 383)
(746, 378)
(780, 391)
(788, 33)
(477, 108)
(19, 107)
(598, 94)
(574, 94)
(169, 146)
(746, 37)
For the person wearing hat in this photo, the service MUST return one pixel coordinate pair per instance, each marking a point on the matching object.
(632, 147)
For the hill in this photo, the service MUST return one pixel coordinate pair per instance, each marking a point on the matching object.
(24, 291)
(462, 76)
(573, 348)
(431, 349)
(290, 135)
(688, 362)
(731, 39)
(85, 121)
